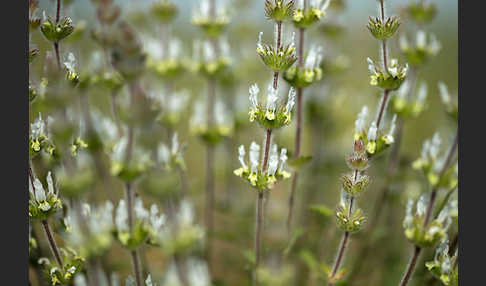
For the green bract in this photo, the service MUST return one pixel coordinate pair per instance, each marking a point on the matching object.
(352, 186)
(212, 135)
(132, 240)
(56, 32)
(270, 119)
(279, 10)
(167, 68)
(383, 30)
(110, 80)
(63, 276)
(391, 79)
(212, 68)
(349, 223)
(304, 19)
(444, 267)
(258, 180)
(164, 10)
(422, 12)
(406, 107)
(374, 147)
(279, 60)
(424, 237)
(302, 77)
(128, 172)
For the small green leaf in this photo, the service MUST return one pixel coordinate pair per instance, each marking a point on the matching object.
(322, 210)
(297, 233)
(299, 162)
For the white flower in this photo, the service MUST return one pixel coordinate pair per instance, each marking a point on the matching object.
(121, 218)
(421, 39)
(254, 90)
(291, 100)
(70, 63)
(372, 132)
(393, 125)
(314, 57)
(209, 53)
(371, 66)
(40, 194)
(361, 121)
(148, 281)
(241, 156)
(259, 43)
(422, 92)
(422, 203)
(140, 212)
(38, 128)
(283, 159)
(254, 156)
(408, 213)
(156, 221)
(198, 273)
(163, 153)
(404, 45)
(272, 98)
(434, 45)
(273, 160)
(175, 143)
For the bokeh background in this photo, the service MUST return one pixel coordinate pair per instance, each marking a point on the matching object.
(331, 107)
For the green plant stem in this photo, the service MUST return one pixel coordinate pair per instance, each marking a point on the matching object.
(58, 57)
(258, 234)
(52, 243)
(339, 258)
(136, 267)
(411, 266)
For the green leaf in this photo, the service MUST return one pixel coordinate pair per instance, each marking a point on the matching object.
(299, 162)
(322, 210)
(297, 233)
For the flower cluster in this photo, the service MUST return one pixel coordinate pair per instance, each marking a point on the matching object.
(273, 115)
(91, 233)
(222, 127)
(355, 183)
(34, 21)
(172, 107)
(207, 61)
(43, 203)
(389, 79)
(349, 221)
(134, 168)
(145, 225)
(279, 10)
(311, 72)
(430, 163)
(422, 12)
(422, 51)
(253, 173)
(165, 63)
(433, 232)
(213, 24)
(72, 264)
(110, 80)
(404, 105)
(164, 10)
(305, 18)
(444, 266)
(56, 32)
(373, 139)
(383, 30)
(72, 76)
(451, 105)
(183, 234)
(39, 139)
(278, 59)
(173, 157)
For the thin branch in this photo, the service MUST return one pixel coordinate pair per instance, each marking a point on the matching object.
(339, 258)
(52, 243)
(258, 234)
(411, 266)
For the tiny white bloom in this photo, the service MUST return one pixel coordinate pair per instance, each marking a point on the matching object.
(361, 120)
(372, 132)
(421, 39)
(70, 63)
(254, 155)
(272, 97)
(283, 159)
(241, 156)
(291, 100)
(444, 93)
(254, 90)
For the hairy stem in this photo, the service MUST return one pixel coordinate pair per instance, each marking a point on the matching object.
(52, 243)
(136, 267)
(339, 258)
(268, 140)
(58, 11)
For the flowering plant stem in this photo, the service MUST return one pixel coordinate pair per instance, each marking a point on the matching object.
(298, 132)
(411, 266)
(56, 44)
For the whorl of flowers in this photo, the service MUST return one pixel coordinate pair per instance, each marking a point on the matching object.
(451, 104)
(274, 114)
(383, 30)
(431, 163)
(43, 203)
(252, 170)
(134, 168)
(311, 72)
(70, 64)
(278, 59)
(183, 234)
(349, 222)
(91, 232)
(171, 105)
(56, 32)
(374, 140)
(164, 10)
(444, 266)
(207, 61)
(389, 79)
(314, 12)
(173, 157)
(405, 105)
(165, 63)
(279, 10)
(426, 47)
(222, 127)
(72, 265)
(422, 12)
(39, 138)
(413, 224)
(146, 224)
(212, 25)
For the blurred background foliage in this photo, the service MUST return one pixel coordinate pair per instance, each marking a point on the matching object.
(331, 107)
